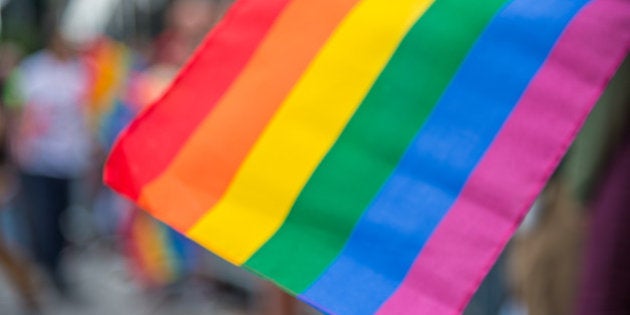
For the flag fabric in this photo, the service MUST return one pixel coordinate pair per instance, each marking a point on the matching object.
(370, 156)
(111, 62)
(157, 254)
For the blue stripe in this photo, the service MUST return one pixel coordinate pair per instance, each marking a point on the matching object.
(436, 166)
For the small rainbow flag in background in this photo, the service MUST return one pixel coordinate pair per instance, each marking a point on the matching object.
(370, 156)
(158, 255)
(111, 64)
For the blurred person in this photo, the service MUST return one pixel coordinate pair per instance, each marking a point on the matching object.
(604, 286)
(50, 144)
(12, 264)
(605, 275)
(159, 256)
(543, 258)
(187, 22)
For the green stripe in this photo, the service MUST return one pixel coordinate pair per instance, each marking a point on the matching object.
(373, 142)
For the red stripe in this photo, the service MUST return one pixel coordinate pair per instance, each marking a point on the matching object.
(502, 188)
(147, 146)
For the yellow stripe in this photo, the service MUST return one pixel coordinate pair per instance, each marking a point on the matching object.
(309, 122)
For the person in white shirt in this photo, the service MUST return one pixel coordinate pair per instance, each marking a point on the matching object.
(50, 142)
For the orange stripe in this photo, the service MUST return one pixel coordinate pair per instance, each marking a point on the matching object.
(203, 169)
(150, 143)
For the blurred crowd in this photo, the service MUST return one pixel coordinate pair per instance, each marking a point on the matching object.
(63, 106)
(70, 88)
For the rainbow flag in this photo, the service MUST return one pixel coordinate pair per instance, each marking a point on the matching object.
(370, 156)
(158, 255)
(111, 63)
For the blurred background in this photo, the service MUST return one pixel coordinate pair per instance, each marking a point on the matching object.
(73, 73)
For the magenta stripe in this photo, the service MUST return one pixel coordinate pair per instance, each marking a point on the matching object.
(516, 167)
